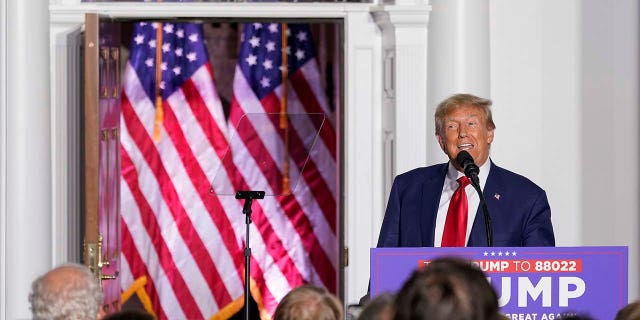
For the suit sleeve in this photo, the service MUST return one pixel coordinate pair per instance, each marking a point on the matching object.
(538, 229)
(390, 230)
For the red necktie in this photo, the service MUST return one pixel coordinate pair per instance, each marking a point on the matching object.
(455, 226)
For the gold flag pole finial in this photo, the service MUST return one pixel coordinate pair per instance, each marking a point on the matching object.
(283, 111)
(159, 111)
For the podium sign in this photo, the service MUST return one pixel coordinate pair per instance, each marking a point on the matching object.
(532, 283)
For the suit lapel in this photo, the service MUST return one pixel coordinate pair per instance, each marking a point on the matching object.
(431, 192)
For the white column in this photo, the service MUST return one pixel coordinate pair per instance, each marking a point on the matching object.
(363, 191)
(25, 153)
(404, 28)
(3, 157)
(609, 104)
(458, 57)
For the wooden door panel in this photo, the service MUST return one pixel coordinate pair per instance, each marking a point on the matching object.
(102, 154)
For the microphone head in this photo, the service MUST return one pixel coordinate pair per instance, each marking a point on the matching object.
(464, 159)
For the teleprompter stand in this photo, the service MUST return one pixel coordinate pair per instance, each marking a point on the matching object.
(267, 151)
(248, 197)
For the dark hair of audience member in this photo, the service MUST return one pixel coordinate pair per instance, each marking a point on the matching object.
(378, 308)
(129, 315)
(448, 288)
(629, 312)
(309, 302)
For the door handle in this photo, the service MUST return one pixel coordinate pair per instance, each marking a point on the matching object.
(96, 263)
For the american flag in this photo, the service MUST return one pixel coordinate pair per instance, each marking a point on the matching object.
(173, 229)
(296, 240)
(188, 241)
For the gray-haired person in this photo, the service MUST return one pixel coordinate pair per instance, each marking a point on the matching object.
(69, 291)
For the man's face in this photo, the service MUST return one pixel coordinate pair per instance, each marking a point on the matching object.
(465, 128)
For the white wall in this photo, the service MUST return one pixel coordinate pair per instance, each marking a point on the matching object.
(535, 89)
(610, 134)
(564, 81)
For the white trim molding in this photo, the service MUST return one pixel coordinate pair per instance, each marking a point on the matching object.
(3, 158)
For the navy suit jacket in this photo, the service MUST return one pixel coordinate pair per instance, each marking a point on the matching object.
(519, 210)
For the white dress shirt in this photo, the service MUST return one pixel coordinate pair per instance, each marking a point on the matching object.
(449, 187)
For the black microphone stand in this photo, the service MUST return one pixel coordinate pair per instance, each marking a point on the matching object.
(485, 211)
(248, 197)
(471, 170)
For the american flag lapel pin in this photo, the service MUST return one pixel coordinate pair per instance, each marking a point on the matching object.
(497, 196)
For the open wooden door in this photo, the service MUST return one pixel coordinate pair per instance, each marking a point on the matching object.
(102, 155)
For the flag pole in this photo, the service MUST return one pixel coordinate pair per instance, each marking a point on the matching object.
(284, 125)
(159, 112)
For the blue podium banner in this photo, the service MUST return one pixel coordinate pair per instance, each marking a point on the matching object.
(532, 283)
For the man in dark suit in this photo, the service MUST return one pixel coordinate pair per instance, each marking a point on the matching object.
(420, 211)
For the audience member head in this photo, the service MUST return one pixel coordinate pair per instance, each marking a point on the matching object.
(309, 303)
(448, 288)
(630, 312)
(69, 291)
(379, 308)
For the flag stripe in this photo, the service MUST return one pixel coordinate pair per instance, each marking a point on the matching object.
(311, 105)
(291, 208)
(310, 173)
(321, 194)
(126, 275)
(249, 104)
(168, 192)
(148, 221)
(326, 167)
(212, 204)
(266, 230)
(194, 280)
(324, 195)
(204, 123)
(202, 293)
(211, 119)
(138, 269)
(172, 187)
(319, 152)
(253, 95)
(270, 207)
(269, 301)
(207, 128)
(314, 81)
(230, 166)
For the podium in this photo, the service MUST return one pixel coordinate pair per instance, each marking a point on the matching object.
(532, 283)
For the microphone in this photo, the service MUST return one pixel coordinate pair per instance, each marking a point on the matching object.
(471, 170)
